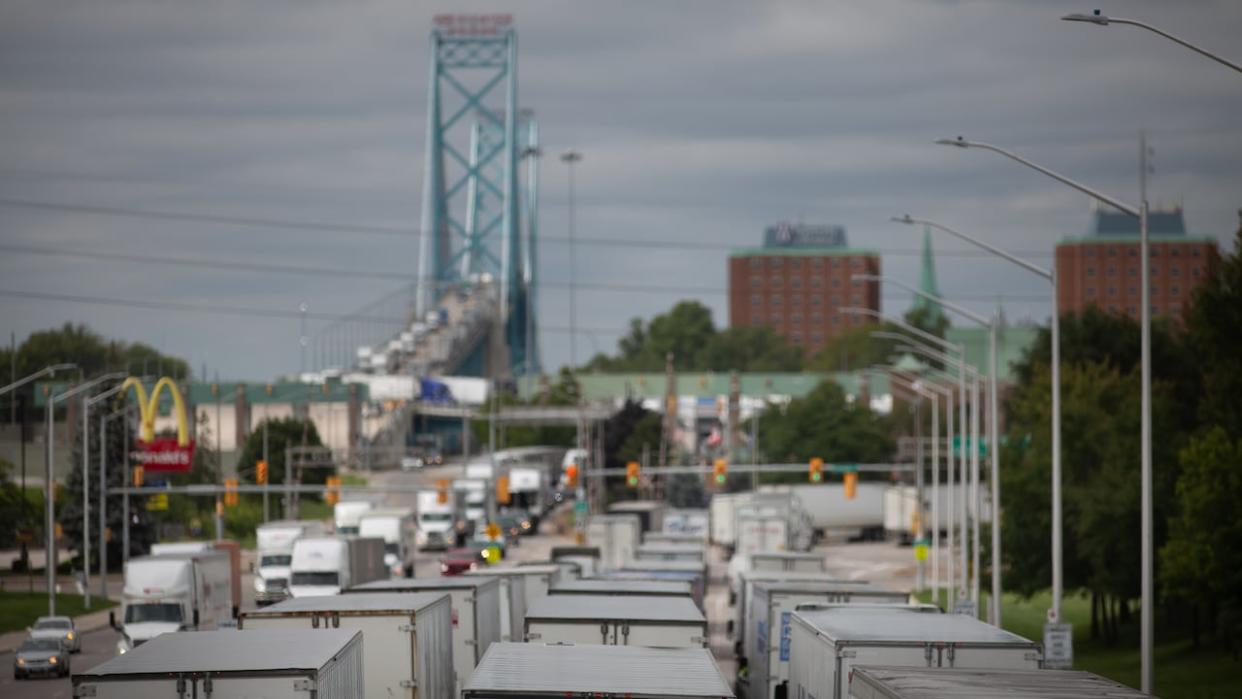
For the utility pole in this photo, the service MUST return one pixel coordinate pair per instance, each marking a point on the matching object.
(268, 465)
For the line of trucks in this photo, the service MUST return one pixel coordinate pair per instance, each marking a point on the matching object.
(621, 616)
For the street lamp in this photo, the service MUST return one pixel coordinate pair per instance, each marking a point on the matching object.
(921, 394)
(45, 371)
(1146, 605)
(1104, 20)
(49, 507)
(572, 157)
(1049, 275)
(992, 325)
(86, 485)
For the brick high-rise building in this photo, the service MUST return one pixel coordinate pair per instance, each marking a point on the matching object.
(798, 282)
(1102, 268)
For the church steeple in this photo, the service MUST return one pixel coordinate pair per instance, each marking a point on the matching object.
(927, 280)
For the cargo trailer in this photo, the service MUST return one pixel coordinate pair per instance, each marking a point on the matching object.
(667, 538)
(693, 572)
(521, 670)
(650, 513)
(512, 600)
(746, 584)
(829, 511)
(765, 646)
(475, 608)
(691, 522)
(173, 592)
(633, 588)
(721, 513)
(793, 561)
(407, 646)
(879, 682)
(587, 558)
(671, 552)
(826, 644)
(901, 507)
(226, 664)
(616, 536)
(653, 622)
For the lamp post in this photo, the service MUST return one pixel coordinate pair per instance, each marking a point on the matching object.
(1146, 604)
(1104, 20)
(1055, 325)
(103, 492)
(917, 395)
(49, 506)
(86, 486)
(572, 157)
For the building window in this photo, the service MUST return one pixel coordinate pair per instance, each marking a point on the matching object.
(1175, 252)
(816, 300)
(1133, 290)
(856, 263)
(797, 338)
(777, 300)
(756, 300)
(1155, 290)
(817, 263)
(1175, 307)
(817, 337)
(1133, 271)
(756, 262)
(776, 318)
(796, 282)
(1133, 252)
(836, 283)
(1112, 252)
(1175, 290)
(1091, 292)
(1155, 272)
(857, 300)
(1175, 271)
(1112, 308)
(1112, 271)
(1155, 251)
(836, 263)
(1194, 252)
(796, 300)
(1194, 271)
(836, 318)
(1090, 252)
(756, 281)
(817, 317)
(1091, 271)
(775, 263)
(796, 319)
(856, 283)
(776, 282)
(795, 264)
(1112, 291)
(817, 281)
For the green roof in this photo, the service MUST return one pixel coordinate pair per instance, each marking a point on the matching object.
(1121, 238)
(803, 252)
(1013, 341)
(599, 386)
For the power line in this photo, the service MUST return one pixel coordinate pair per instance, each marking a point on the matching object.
(239, 265)
(287, 224)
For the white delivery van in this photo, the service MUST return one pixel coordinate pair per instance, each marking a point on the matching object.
(325, 565)
(650, 513)
(826, 644)
(880, 682)
(397, 528)
(274, 550)
(722, 512)
(617, 537)
(654, 622)
(901, 504)
(476, 613)
(435, 521)
(625, 588)
(694, 522)
(512, 600)
(345, 515)
(226, 664)
(174, 592)
(407, 648)
(671, 552)
(766, 645)
(524, 670)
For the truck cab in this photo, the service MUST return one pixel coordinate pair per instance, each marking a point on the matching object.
(174, 592)
(274, 544)
(319, 566)
(345, 515)
(435, 521)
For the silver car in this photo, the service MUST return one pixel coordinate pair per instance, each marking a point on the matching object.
(41, 656)
(60, 628)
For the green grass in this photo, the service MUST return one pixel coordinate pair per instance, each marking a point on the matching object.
(1181, 671)
(20, 609)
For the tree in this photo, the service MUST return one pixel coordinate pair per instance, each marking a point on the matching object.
(855, 349)
(1202, 561)
(282, 434)
(929, 318)
(824, 424)
(1214, 328)
(748, 348)
(16, 514)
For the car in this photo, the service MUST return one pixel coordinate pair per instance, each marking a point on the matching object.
(460, 560)
(41, 656)
(60, 628)
(410, 463)
(513, 525)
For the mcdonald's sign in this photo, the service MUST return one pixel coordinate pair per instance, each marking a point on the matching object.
(163, 454)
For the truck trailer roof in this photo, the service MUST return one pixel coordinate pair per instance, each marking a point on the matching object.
(879, 682)
(378, 602)
(608, 607)
(531, 669)
(843, 624)
(228, 651)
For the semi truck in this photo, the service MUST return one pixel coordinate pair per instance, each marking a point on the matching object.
(345, 515)
(173, 592)
(326, 664)
(436, 521)
(325, 565)
(406, 650)
(274, 550)
(397, 527)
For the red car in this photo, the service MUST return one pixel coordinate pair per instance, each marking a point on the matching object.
(458, 561)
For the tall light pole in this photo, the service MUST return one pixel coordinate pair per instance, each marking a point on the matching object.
(571, 157)
(1104, 20)
(1146, 603)
(1055, 323)
(86, 485)
(49, 489)
(923, 394)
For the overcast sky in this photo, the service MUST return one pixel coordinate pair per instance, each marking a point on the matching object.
(699, 121)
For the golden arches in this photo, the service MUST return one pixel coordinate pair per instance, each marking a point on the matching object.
(149, 407)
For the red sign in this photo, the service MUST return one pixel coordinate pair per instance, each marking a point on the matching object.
(164, 455)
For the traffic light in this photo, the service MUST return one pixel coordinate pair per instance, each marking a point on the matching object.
(333, 494)
(720, 471)
(137, 479)
(260, 472)
(230, 492)
(442, 491)
(502, 490)
(632, 471)
(816, 473)
(571, 475)
(851, 484)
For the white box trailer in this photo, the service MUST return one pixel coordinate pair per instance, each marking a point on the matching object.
(539, 577)
(694, 572)
(325, 565)
(761, 529)
(512, 600)
(671, 552)
(587, 558)
(690, 521)
(746, 584)
(826, 644)
(475, 608)
(616, 536)
(653, 622)
(721, 513)
(631, 588)
(650, 513)
(233, 664)
(880, 682)
(174, 592)
(901, 503)
(830, 511)
(792, 561)
(766, 645)
(667, 538)
(522, 670)
(407, 639)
